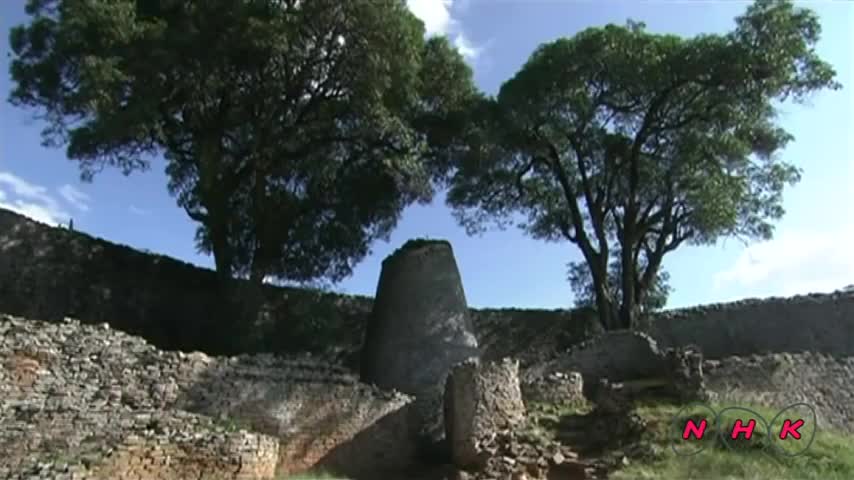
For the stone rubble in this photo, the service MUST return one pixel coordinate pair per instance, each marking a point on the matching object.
(489, 430)
(685, 379)
(480, 400)
(564, 388)
(89, 402)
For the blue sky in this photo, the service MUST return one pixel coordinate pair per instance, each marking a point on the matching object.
(811, 252)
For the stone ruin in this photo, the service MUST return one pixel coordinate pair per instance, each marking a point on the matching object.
(486, 427)
(90, 402)
(86, 402)
(418, 330)
(565, 388)
(479, 401)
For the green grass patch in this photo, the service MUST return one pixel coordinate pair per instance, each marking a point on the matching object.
(317, 475)
(830, 456)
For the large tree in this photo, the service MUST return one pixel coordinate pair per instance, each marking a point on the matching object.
(584, 291)
(629, 143)
(294, 132)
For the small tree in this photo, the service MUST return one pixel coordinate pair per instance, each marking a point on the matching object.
(294, 132)
(631, 144)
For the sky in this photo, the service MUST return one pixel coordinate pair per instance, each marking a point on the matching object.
(812, 250)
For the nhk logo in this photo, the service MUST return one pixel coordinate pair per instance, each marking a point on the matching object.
(790, 432)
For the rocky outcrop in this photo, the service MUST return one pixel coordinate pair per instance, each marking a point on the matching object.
(419, 329)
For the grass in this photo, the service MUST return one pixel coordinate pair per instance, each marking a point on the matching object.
(830, 456)
(312, 476)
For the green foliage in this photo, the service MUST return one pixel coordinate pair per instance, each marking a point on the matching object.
(585, 294)
(293, 132)
(623, 141)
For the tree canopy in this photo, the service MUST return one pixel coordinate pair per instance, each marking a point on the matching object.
(293, 132)
(629, 144)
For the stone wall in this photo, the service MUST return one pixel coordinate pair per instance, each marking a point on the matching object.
(815, 323)
(50, 273)
(779, 380)
(105, 404)
(618, 356)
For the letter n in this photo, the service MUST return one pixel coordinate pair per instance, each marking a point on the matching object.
(691, 428)
(746, 430)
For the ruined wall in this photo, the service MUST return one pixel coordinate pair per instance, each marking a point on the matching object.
(779, 380)
(815, 323)
(49, 273)
(619, 356)
(104, 404)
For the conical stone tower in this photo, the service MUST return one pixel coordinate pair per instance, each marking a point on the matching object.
(418, 330)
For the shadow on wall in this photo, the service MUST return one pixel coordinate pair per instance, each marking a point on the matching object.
(50, 273)
(321, 415)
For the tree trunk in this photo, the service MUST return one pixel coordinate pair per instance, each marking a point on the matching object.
(222, 254)
(604, 302)
(628, 304)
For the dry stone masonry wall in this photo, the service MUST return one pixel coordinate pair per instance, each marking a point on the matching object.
(50, 273)
(779, 380)
(418, 329)
(821, 323)
(480, 400)
(87, 401)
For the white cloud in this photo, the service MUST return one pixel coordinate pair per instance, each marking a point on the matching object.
(137, 210)
(75, 197)
(436, 14)
(438, 20)
(30, 200)
(795, 262)
(466, 48)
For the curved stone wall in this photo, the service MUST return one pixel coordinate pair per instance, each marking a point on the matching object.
(50, 273)
(815, 323)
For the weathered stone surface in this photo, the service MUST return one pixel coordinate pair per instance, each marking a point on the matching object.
(513, 455)
(481, 399)
(419, 329)
(49, 273)
(821, 323)
(554, 388)
(780, 380)
(112, 406)
(618, 355)
(685, 368)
